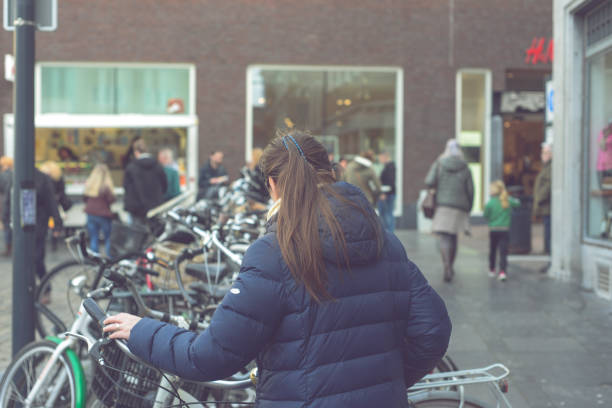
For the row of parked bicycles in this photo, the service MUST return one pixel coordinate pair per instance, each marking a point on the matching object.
(177, 273)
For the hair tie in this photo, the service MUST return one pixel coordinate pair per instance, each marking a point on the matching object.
(296, 145)
(284, 143)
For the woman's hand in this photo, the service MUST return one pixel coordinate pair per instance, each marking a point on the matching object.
(120, 326)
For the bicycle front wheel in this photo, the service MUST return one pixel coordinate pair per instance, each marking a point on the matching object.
(443, 399)
(58, 385)
(59, 295)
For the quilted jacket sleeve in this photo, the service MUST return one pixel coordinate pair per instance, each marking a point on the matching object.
(243, 323)
(428, 327)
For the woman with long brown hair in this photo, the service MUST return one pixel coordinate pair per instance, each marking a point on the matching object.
(327, 302)
(99, 196)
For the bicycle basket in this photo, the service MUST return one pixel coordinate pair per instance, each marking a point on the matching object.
(127, 238)
(122, 382)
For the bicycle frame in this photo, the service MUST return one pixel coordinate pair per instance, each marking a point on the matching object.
(65, 346)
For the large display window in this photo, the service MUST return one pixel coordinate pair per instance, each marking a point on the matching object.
(76, 150)
(599, 167)
(350, 109)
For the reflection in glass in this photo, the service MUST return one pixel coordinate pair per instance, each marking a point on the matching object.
(350, 110)
(599, 191)
(471, 135)
(78, 150)
(112, 90)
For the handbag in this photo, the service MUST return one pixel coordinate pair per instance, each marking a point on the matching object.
(429, 204)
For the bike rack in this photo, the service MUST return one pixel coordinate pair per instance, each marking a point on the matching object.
(492, 375)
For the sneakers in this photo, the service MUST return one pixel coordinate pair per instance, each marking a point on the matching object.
(492, 273)
(502, 276)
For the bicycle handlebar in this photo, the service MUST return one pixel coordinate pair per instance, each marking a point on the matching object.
(96, 313)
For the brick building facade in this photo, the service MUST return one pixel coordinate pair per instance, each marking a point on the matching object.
(429, 40)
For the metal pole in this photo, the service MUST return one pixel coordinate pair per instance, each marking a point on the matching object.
(24, 235)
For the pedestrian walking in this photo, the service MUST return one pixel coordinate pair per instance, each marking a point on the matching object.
(498, 212)
(212, 176)
(325, 298)
(54, 171)
(360, 173)
(144, 184)
(166, 159)
(541, 194)
(6, 183)
(98, 196)
(386, 202)
(450, 176)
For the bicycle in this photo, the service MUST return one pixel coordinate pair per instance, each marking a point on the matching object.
(50, 373)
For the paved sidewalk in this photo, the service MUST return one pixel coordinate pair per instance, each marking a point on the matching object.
(555, 338)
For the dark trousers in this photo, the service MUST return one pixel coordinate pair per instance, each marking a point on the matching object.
(498, 239)
(546, 222)
(39, 250)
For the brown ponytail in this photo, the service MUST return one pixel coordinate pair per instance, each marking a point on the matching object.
(498, 188)
(300, 167)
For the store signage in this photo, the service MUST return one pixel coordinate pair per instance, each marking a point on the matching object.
(528, 101)
(45, 15)
(540, 51)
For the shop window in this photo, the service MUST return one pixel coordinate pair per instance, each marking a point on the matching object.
(76, 150)
(113, 89)
(599, 174)
(473, 106)
(349, 109)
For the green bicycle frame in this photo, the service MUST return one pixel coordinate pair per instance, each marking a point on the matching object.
(80, 392)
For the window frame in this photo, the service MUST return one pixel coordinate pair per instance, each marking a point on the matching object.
(399, 111)
(486, 137)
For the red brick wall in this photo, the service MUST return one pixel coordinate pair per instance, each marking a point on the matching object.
(222, 37)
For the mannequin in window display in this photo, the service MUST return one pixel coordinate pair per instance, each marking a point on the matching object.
(604, 157)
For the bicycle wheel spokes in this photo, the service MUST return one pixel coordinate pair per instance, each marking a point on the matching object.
(25, 373)
(59, 296)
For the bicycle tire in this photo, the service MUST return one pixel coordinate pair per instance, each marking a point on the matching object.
(64, 300)
(26, 366)
(445, 364)
(443, 399)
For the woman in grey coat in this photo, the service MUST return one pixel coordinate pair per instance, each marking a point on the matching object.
(450, 176)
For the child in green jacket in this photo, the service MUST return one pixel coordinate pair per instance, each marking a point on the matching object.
(498, 211)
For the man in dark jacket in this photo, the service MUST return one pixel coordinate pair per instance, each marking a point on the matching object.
(144, 183)
(46, 208)
(384, 329)
(386, 201)
(212, 175)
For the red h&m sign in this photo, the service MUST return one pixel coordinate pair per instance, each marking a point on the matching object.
(538, 53)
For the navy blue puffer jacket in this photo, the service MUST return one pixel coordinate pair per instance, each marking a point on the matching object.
(384, 330)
